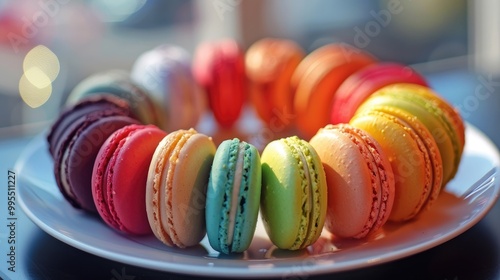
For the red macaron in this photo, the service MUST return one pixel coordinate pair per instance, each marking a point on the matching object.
(120, 174)
(219, 68)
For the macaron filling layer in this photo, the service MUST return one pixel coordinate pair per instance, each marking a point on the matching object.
(64, 177)
(307, 203)
(237, 181)
(235, 197)
(310, 193)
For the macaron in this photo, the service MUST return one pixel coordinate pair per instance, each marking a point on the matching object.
(360, 180)
(176, 187)
(165, 72)
(412, 154)
(233, 196)
(118, 83)
(120, 174)
(360, 85)
(66, 120)
(270, 63)
(219, 68)
(317, 78)
(75, 140)
(439, 117)
(430, 145)
(294, 193)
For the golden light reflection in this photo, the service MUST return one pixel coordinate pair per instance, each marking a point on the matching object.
(31, 94)
(41, 68)
(37, 77)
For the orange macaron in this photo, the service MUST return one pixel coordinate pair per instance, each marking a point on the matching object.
(413, 154)
(270, 63)
(438, 116)
(317, 78)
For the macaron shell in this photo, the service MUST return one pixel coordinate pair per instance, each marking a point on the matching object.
(285, 191)
(176, 188)
(118, 83)
(100, 175)
(430, 145)
(82, 152)
(189, 192)
(220, 196)
(404, 97)
(128, 181)
(315, 56)
(318, 84)
(220, 181)
(359, 178)
(360, 85)
(450, 113)
(67, 119)
(409, 161)
(156, 204)
(280, 204)
(125, 159)
(219, 68)
(165, 72)
(66, 136)
(270, 64)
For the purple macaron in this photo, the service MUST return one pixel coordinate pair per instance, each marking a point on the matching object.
(74, 141)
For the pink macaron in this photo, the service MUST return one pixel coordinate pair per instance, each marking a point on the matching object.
(361, 184)
(120, 174)
(360, 85)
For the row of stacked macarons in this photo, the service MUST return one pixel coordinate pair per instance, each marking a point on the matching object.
(389, 163)
(285, 87)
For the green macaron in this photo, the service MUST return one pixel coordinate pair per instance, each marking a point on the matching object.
(233, 196)
(294, 193)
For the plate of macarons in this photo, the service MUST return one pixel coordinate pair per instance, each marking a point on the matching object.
(264, 162)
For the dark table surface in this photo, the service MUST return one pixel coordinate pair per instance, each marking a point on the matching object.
(475, 254)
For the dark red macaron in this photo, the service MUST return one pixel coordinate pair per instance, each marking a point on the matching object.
(106, 105)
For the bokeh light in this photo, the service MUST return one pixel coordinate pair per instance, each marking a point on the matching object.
(118, 10)
(41, 68)
(31, 94)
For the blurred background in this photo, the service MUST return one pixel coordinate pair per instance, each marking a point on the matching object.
(48, 46)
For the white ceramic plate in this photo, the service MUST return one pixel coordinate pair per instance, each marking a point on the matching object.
(465, 201)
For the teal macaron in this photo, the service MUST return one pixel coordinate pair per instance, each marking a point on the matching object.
(294, 193)
(233, 196)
